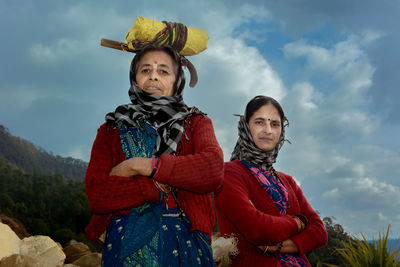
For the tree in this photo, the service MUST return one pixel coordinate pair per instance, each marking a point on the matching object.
(328, 254)
(6, 204)
(45, 204)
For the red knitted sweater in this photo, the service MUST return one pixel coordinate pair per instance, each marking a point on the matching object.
(195, 173)
(246, 210)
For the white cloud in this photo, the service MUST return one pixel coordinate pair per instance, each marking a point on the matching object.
(23, 95)
(79, 152)
(225, 137)
(383, 218)
(334, 193)
(346, 62)
(238, 68)
(55, 52)
(245, 71)
(372, 186)
(316, 56)
(368, 36)
(306, 97)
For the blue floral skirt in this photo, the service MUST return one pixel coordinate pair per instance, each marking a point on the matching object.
(154, 236)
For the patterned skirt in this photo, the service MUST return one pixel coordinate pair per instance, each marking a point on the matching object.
(155, 236)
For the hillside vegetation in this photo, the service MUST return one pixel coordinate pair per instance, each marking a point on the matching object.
(31, 159)
(45, 204)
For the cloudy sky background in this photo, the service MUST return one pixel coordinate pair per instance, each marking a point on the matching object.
(333, 65)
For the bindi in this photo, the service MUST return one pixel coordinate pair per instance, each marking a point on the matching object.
(155, 62)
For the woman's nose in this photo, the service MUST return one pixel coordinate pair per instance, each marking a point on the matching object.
(153, 75)
(267, 128)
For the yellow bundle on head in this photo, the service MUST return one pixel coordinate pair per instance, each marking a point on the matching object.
(187, 41)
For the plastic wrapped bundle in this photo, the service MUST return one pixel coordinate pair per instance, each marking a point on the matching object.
(188, 41)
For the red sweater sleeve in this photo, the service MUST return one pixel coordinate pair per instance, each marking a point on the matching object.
(107, 193)
(199, 171)
(257, 227)
(315, 235)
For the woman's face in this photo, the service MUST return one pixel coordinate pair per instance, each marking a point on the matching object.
(156, 73)
(265, 127)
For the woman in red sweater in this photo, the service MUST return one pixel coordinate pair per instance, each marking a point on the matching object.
(153, 166)
(265, 209)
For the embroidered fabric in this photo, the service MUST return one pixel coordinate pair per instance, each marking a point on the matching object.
(168, 244)
(136, 142)
(279, 195)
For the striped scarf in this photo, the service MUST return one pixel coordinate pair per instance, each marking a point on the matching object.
(247, 150)
(167, 114)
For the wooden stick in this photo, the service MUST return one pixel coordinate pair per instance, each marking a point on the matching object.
(115, 45)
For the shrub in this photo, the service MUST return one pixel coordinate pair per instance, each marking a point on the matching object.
(363, 253)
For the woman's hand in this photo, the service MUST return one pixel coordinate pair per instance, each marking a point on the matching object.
(133, 166)
(288, 246)
(269, 249)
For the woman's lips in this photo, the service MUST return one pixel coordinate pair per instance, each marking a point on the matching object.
(266, 139)
(152, 88)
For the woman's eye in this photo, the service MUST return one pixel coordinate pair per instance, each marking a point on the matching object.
(145, 71)
(164, 72)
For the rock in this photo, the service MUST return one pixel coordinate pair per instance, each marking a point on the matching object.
(72, 242)
(44, 249)
(15, 225)
(16, 260)
(76, 250)
(70, 265)
(9, 241)
(89, 260)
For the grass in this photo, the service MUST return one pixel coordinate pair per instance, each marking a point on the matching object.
(363, 253)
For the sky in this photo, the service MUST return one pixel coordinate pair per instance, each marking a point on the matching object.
(333, 66)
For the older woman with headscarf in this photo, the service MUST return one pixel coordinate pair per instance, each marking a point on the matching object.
(265, 209)
(153, 166)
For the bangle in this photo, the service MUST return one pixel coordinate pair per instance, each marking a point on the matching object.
(298, 222)
(155, 167)
(302, 218)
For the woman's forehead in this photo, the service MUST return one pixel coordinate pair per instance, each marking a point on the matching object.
(157, 57)
(266, 112)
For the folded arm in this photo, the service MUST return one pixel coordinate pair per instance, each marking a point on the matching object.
(258, 228)
(107, 192)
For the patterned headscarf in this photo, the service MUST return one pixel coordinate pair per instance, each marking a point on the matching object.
(167, 114)
(247, 150)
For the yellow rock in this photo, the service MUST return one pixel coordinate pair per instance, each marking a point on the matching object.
(9, 241)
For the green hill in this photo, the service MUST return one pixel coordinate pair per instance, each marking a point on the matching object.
(31, 159)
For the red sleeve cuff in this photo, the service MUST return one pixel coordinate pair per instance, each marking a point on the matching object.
(155, 166)
(165, 167)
